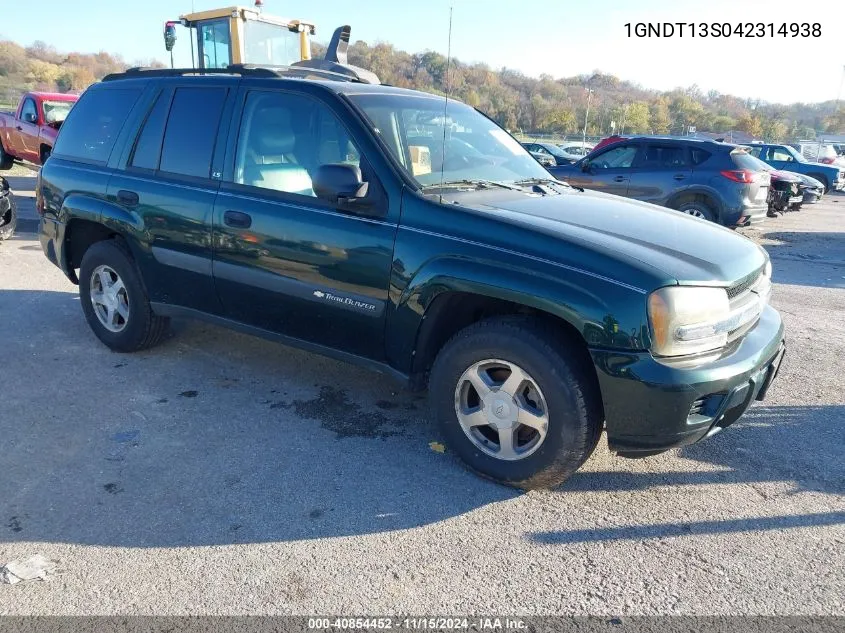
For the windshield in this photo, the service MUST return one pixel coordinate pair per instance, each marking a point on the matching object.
(798, 156)
(269, 44)
(475, 148)
(56, 111)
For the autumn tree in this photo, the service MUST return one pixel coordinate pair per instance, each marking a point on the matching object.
(661, 120)
(636, 120)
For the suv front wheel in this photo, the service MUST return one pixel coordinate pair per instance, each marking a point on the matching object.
(114, 300)
(515, 402)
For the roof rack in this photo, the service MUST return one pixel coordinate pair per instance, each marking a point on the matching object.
(331, 71)
(235, 69)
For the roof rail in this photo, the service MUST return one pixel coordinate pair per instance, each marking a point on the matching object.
(236, 69)
(300, 70)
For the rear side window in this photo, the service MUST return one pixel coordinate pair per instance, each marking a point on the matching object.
(698, 155)
(148, 148)
(192, 131)
(664, 157)
(91, 129)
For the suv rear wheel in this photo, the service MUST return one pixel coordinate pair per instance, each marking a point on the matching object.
(114, 301)
(515, 403)
(698, 209)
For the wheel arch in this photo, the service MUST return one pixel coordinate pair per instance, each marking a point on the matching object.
(451, 295)
(87, 221)
(694, 194)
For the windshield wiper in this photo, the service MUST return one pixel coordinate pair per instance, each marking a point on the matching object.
(544, 181)
(474, 182)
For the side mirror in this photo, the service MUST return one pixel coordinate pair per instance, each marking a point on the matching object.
(169, 35)
(30, 117)
(339, 184)
(585, 166)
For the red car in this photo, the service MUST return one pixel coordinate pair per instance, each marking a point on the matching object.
(30, 133)
(607, 141)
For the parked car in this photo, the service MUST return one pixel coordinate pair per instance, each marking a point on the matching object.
(813, 189)
(614, 138)
(549, 149)
(546, 160)
(8, 210)
(536, 314)
(707, 179)
(787, 158)
(576, 149)
(817, 152)
(30, 133)
(786, 190)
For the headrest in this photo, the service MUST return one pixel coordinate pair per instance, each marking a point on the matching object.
(272, 133)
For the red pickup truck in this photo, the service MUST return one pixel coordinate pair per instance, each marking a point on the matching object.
(30, 133)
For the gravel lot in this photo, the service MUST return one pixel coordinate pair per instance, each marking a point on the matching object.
(221, 474)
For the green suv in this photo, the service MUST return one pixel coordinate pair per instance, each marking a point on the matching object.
(410, 234)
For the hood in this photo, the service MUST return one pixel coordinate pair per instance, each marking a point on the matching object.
(681, 247)
(786, 176)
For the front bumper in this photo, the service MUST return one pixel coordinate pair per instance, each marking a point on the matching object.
(651, 406)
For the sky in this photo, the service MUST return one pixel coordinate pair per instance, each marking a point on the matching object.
(557, 37)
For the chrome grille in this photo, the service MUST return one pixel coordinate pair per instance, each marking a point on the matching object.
(744, 284)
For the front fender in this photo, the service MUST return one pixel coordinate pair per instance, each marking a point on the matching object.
(589, 304)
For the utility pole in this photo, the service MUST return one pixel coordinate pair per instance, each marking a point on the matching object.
(587, 115)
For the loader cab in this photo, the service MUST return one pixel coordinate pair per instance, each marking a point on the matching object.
(240, 35)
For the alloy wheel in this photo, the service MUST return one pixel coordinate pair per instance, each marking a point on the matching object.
(501, 409)
(109, 298)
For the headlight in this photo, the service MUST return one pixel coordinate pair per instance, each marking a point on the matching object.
(687, 320)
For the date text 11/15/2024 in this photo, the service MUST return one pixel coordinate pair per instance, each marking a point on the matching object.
(723, 29)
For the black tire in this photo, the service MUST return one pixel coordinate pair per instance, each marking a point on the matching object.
(45, 154)
(9, 220)
(822, 179)
(6, 161)
(698, 209)
(569, 389)
(142, 328)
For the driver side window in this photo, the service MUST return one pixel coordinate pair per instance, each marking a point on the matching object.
(28, 111)
(284, 138)
(780, 154)
(616, 158)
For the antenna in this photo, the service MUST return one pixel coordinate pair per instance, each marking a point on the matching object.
(446, 105)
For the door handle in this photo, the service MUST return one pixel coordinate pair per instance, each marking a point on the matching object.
(237, 220)
(620, 178)
(679, 177)
(128, 198)
(19, 128)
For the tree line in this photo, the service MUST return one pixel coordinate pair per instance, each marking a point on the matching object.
(547, 105)
(523, 104)
(42, 67)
